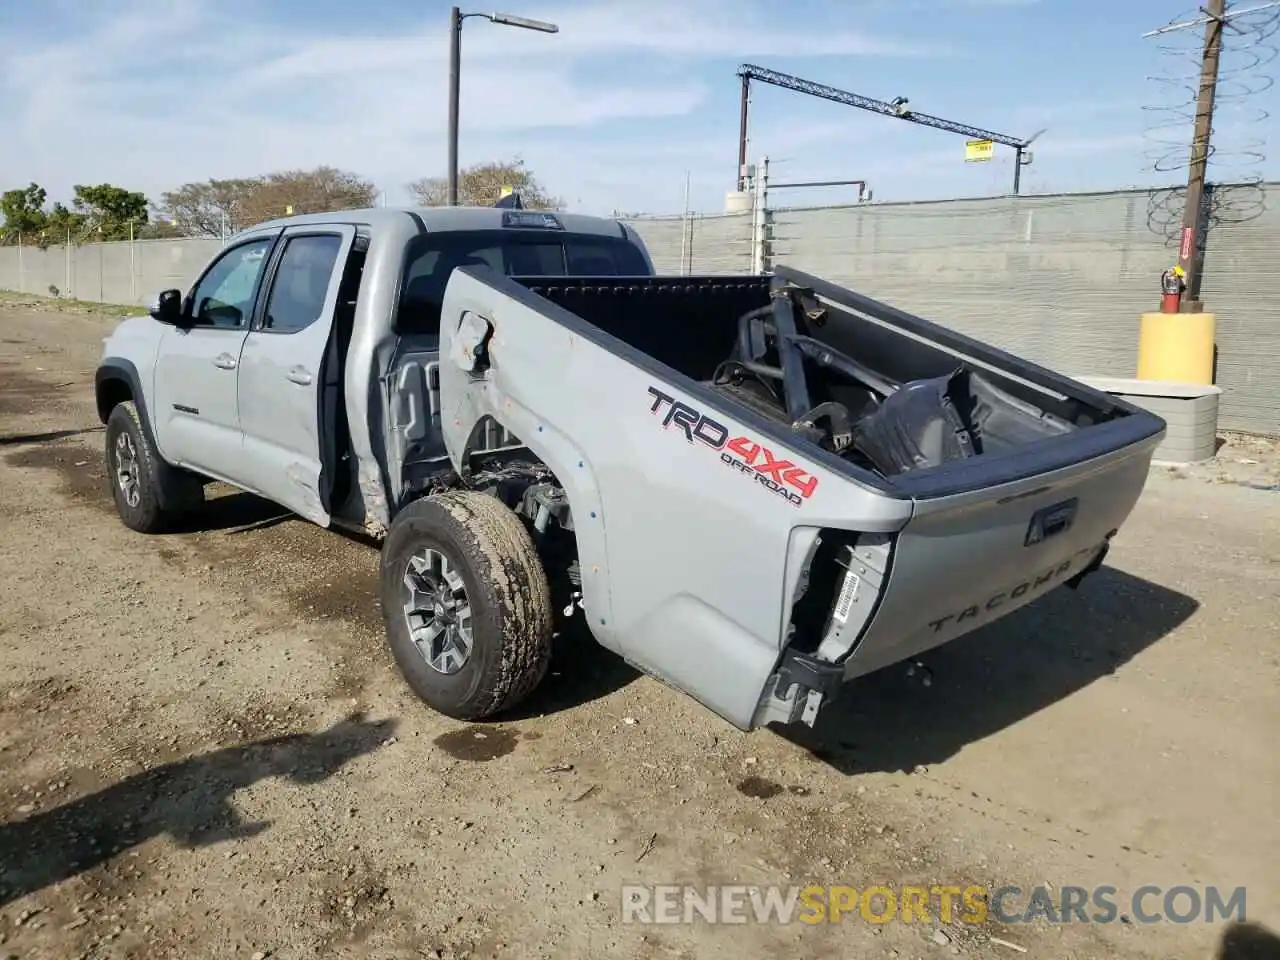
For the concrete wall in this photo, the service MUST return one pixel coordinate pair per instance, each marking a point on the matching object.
(128, 273)
(1058, 279)
(701, 243)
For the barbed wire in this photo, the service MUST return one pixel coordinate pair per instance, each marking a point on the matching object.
(1237, 140)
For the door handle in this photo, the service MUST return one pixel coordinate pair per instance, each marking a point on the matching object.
(300, 376)
(224, 361)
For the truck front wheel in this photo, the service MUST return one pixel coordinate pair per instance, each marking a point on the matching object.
(466, 604)
(148, 493)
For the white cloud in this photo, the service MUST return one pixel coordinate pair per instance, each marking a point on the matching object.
(610, 112)
(152, 93)
(1079, 146)
(599, 31)
(1075, 111)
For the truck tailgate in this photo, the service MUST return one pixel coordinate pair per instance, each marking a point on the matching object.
(969, 558)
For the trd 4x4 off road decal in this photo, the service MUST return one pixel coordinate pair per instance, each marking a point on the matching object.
(747, 456)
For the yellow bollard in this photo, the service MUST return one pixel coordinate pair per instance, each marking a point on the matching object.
(1177, 347)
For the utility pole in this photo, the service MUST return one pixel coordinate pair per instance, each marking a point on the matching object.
(1188, 253)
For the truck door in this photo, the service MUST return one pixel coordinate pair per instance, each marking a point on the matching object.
(196, 421)
(280, 386)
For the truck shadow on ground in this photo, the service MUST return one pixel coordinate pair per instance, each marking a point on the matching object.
(581, 670)
(233, 512)
(1248, 941)
(20, 439)
(188, 800)
(994, 677)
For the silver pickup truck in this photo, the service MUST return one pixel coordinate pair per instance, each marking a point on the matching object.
(754, 488)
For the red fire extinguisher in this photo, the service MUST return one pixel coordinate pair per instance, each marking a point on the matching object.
(1171, 287)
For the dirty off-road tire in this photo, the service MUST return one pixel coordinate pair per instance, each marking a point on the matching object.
(466, 604)
(135, 474)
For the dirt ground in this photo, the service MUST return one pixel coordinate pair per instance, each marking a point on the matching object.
(206, 751)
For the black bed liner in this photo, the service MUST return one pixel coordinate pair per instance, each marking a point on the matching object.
(640, 318)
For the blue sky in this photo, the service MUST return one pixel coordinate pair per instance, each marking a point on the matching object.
(613, 111)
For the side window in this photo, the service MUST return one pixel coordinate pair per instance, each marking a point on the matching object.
(428, 274)
(301, 283)
(596, 258)
(432, 258)
(535, 259)
(224, 295)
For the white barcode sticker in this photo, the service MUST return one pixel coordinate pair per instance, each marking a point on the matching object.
(848, 593)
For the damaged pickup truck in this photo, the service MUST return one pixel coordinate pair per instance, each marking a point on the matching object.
(755, 488)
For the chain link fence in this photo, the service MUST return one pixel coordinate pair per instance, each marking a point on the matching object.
(1060, 280)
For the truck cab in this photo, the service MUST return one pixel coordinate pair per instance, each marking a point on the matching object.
(244, 378)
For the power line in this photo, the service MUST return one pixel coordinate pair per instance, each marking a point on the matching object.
(1209, 18)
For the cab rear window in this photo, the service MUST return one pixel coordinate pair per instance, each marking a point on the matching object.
(433, 257)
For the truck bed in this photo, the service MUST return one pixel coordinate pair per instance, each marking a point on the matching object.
(1023, 419)
(778, 484)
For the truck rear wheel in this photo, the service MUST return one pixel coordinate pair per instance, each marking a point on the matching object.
(466, 604)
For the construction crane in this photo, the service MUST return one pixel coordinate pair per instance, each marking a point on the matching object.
(898, 108)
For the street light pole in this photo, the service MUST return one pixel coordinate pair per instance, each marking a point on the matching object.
(455, 52)
(456, 16)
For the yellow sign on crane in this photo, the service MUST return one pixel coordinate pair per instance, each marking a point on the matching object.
(978, 151)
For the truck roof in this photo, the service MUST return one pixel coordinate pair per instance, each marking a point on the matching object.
(433, 219)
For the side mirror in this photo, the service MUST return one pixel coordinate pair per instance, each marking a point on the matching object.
(168, 307)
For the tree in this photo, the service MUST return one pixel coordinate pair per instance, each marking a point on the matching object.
(161, 228)
(63, 224)
(207, 209)
(110, 212)
(218, 207)
(306, 191)
(97, 213)
(23, 212)
(26, 219)
(481, 185)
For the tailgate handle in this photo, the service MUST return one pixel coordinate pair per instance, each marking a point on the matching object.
(1050, 521)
